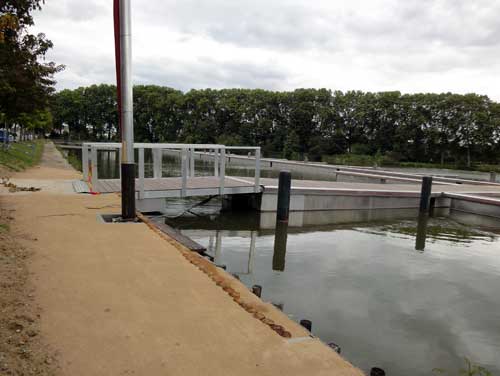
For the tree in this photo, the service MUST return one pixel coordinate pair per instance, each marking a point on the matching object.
(316, 123)
(26, 80)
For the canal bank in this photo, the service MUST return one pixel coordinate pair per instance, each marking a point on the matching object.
(119, 299)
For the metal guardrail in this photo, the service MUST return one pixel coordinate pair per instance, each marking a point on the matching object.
(187, 151)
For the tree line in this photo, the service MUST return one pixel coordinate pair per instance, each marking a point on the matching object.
(26, 78)
(310, 123)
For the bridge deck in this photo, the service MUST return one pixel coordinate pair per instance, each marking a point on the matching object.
(171, 187)
(209, 185)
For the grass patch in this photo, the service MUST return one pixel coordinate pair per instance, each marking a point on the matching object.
(360, 160)
(72, 159)
(386, 161)
(4, 227)
(21, 155)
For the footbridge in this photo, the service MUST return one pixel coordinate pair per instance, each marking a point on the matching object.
(152, 187)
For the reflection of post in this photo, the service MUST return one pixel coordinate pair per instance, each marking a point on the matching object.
(211, 243)
(253, 237)
(421, 232)
(280, 238)
(218, 247)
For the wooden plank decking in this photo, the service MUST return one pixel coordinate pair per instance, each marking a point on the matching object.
(172, 187)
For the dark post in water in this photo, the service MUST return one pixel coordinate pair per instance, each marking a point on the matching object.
(284, 186)
(421, 235)
(425, 207)
(425, 194)
(280, 238)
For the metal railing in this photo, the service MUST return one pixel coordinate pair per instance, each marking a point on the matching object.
(187, 161)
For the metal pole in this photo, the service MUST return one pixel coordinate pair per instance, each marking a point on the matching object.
(141, 173)
(257, 170)
(127, 114)
(184, 172)
(216, 162)
(93, 156)
(85, 162)
(157, 163)
(222, 174)
(191, 162)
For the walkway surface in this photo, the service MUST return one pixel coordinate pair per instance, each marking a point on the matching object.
(118, 299)
(341, 187)
(209, 185)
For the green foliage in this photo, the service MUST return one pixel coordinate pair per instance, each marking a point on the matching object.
(354, 127)
(72, 159)
(362, 160)
(4, 227)
(26, 79)
(75, 162)
(470, 369)
(21, 155)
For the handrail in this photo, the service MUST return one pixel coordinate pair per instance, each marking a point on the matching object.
(187, 151)
(257, 162)
(137, 145)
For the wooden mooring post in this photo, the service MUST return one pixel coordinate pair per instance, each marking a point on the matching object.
(425, 194)
(284, 187)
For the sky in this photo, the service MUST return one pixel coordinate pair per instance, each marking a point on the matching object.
(370, 45)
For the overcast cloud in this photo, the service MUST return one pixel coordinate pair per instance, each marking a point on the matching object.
(371, 45)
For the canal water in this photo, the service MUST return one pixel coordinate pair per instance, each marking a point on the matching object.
(364, 286)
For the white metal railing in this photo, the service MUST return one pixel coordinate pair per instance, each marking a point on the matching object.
(187, 154)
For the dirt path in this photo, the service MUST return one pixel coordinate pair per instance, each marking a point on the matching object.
(117, 299)
(23, 351)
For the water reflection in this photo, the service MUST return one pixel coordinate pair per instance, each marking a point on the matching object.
(280, 238)
(367, 290)
(215, 252)
(421, 231)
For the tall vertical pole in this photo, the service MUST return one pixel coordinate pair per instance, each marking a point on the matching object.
(126, 111)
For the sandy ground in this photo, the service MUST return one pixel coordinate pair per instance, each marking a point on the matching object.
(23, 350)
(118, 299)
